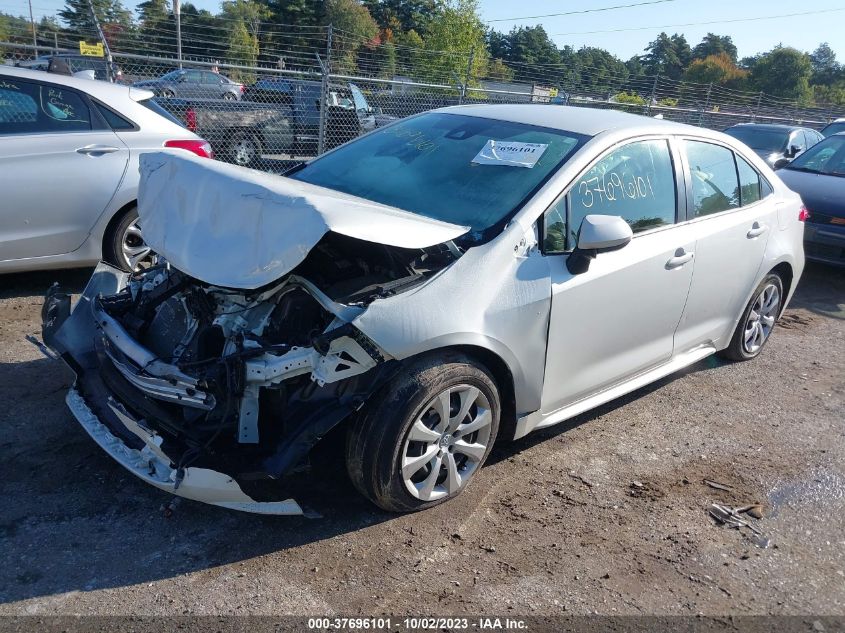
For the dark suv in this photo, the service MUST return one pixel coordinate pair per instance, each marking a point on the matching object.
(776, 144)
(67, 64)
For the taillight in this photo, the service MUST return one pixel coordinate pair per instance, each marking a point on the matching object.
(243, 88)
(803, 214)
(191, 119)
(199, 147)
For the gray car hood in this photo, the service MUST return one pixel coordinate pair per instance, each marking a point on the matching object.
(239, 228)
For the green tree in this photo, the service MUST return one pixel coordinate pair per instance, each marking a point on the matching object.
(77, 15)
(666, 56)
(251, 14)
(402, 15)
(156, 32)
(242, 50)
(599, 70)
(455, 33)
(783, 72)
(826, 70)
(712, 44)
(524, 45)
(353, 27)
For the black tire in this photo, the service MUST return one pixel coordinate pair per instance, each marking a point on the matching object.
(167, 93)
(248, 158)
(737, 350)
(376, 440)
(113, 240)
(229, 96)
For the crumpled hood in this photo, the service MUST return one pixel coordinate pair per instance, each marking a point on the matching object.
(239, 228)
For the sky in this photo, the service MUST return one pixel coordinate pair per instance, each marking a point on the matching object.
(804, 32)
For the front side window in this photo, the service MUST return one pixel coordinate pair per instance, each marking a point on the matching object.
(715, 186)
(466, 170)
(762, 140)
(635, 181)
(827, 157)
(26, 108)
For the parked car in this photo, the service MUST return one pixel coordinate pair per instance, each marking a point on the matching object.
(69, 153)
(818, 175)
(834, 127)
(463, 275)
(192, 83)
(68, 64)
(347, 99)
(776, 144)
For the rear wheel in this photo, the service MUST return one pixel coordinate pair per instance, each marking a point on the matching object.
(229, 96)
(124, 245)
(426, 436)
(245, 150)
(754, 328)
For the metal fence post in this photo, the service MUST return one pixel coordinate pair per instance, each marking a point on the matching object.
(324, 93)
(706, 104)
(467, 77)
(757, 109)
(653, 95)
(177, 13)
(32, 23)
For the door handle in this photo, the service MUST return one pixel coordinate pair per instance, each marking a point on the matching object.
(96, 150)
(756, 230)
(681, 257)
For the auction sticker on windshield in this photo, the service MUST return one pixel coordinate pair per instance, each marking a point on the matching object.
(510, 153)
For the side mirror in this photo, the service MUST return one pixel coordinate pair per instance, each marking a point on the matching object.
(597, 234)
(794, 150)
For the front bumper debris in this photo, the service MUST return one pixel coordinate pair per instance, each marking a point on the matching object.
(153, 466)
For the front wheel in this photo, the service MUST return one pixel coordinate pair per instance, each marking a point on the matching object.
(425, 435)
(758, 320)
(229, 96)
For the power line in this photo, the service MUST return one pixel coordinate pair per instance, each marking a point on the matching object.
(555, 15)
(671, 26)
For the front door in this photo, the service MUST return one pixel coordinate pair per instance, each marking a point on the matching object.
(617, 319)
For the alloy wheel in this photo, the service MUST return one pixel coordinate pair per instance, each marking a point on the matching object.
(761, 319)
(136, 254)
(446, 443)
(244, 151)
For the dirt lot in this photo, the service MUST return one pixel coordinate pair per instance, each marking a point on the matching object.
(553, 525)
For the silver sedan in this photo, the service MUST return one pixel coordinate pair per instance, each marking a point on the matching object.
(69, 151)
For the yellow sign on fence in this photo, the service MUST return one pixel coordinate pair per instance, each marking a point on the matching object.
(94, 50)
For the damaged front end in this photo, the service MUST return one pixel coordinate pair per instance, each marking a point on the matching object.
(218, 394)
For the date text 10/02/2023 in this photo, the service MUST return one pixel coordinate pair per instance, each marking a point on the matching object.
(416, 623)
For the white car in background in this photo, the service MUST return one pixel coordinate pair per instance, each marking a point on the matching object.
(69, 151)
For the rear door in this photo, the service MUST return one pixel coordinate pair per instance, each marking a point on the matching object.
(60, 166)
(734, 216)
(617, 319)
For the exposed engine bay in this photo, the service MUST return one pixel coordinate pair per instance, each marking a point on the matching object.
(243, 382)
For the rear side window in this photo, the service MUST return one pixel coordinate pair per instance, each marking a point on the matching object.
(635, 181)
(749, 182)
(115, 121)
(27, 108)
(715, 186)
(151, 104)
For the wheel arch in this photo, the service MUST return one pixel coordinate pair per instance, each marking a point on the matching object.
(112, 223)
(785, 272)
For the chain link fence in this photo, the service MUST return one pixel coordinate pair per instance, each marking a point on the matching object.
(288, 107)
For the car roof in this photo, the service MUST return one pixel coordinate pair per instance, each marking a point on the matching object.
(774, 127)
(100, 89)
(587, 121)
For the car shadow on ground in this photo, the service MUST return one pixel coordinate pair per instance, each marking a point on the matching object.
(821, 291)
(36, 283)
(74, 520)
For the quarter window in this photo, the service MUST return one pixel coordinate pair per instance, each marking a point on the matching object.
(715, 186)
(749, 182)
(635, 181)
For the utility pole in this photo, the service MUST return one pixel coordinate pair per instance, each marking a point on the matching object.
(32, 22)
(177, 11)
(55, 42)
(757, 109)
(468, 75)
(324, 92)
(706, 104)
(653, 94)
(102, 37)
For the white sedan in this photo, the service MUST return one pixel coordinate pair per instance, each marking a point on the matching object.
(462, 276)
(69, 151)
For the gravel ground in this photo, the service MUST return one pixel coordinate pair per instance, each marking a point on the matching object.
(604, 514)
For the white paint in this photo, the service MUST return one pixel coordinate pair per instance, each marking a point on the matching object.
(510, 153)
(240, 228)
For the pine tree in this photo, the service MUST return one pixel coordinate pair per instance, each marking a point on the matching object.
(77, 15)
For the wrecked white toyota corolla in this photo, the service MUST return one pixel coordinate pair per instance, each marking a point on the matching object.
(464, 274)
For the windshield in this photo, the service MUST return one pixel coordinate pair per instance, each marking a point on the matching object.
(465, 170)
(172, 75)
(826, 157)
(762, 140)
(833, 128)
